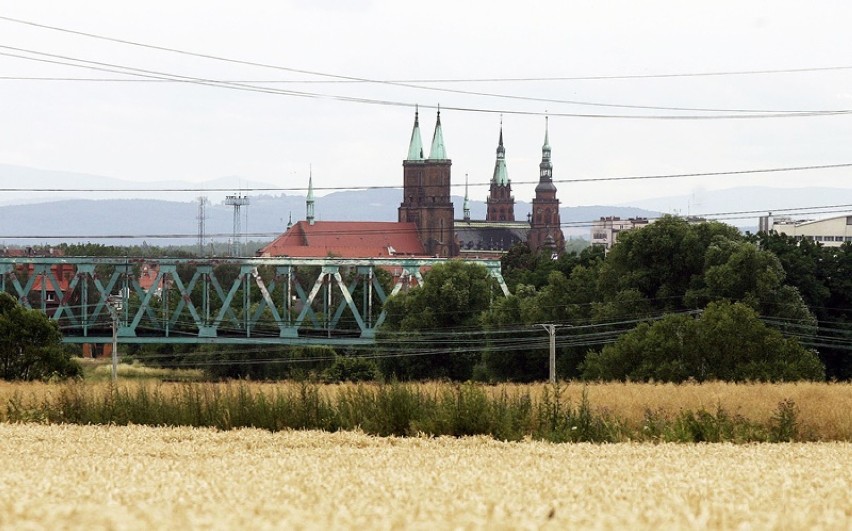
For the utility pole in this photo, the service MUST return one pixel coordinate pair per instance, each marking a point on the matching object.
(551, 331)
(114, 305)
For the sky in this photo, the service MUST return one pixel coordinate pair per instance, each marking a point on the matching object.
(356, 133)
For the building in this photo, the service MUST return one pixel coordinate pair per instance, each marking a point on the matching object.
(426, 225)
(831, 232)
(347, 239)
(545, 224)
(606, 230)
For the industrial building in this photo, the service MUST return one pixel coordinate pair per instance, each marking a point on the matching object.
(831, 232)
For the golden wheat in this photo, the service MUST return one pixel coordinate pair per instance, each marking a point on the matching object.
(137, 477)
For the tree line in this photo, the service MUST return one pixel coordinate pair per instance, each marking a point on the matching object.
(673, 301)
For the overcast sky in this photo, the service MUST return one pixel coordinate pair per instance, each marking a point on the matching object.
(152, 130)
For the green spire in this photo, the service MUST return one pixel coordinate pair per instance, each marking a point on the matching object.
(290, 221)
(545, 175)
(501, 173)
(309, 202)
(438, 152)
(415, 147)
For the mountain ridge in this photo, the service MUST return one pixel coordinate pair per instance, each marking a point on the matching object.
(153, 214)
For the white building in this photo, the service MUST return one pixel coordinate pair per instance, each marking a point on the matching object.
(605, 231)
(831, 232)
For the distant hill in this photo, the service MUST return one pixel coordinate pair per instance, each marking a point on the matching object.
(21, 177)
(268, 215)
(150, 213)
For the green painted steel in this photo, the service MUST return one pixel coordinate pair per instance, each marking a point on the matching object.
(293, 301)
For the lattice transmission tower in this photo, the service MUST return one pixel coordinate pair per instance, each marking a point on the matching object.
(237, 201)
(202, 221)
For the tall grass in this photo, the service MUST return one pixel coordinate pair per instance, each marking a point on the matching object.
(558, 413)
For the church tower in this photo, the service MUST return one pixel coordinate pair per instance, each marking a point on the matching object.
(545, 226)
(426, 192)
(501, 204)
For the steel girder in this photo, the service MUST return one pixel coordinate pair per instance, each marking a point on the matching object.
(216, 300)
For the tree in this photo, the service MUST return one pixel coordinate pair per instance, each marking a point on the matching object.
(522, 266)
(662, 261)
(435, 328)
(30, 344)
(726, 342)
(804, 262)
(836, 321)
(563, 299)
(740, 271)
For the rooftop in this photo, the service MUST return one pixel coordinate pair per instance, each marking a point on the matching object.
(347, 239)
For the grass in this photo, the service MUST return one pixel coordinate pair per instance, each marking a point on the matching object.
(100, 370)
(563, 413)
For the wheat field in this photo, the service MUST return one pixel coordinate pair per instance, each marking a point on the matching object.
(108, 477)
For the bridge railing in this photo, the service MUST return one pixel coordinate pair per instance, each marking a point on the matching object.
(217, 300)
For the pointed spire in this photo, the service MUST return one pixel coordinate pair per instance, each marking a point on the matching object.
(501, 173)
(466, 207)
(438, 152)
(290, 221)
(545, 176)
(309, 201)
(415, 147)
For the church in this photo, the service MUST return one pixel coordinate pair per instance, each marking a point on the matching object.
(426, 224)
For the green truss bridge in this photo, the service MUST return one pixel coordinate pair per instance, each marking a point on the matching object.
(294, 301)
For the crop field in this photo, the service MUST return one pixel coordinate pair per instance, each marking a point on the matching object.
(604, 412)
(136, 477)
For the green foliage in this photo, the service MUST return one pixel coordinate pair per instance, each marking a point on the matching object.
(392, 409)
(521, 266)
(727, 342)
(351, 369)
(262, 363)
(30, 345)
(663, 260)
(739, 271)
(450, 303)
(784, 424)
(823, 277)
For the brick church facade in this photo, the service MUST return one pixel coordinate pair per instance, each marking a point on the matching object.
(426, 203)
(426, 224)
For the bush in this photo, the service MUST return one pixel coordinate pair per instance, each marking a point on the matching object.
(351, 369)
(727, 342)
(31, 345)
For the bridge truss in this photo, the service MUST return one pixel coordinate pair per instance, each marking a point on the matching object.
(295, 301)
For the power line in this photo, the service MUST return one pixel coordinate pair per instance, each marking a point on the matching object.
(350, 99)
(467, 80)
(753, 113)
(455, 185)
(351, 79)
(408, 85)
(384, 230)
(362, 231)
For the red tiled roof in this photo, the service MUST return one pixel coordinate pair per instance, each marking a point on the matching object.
(347, 239)
(61, 274)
